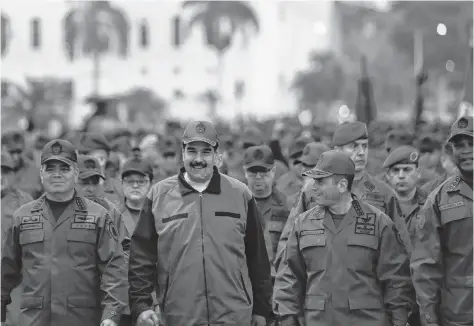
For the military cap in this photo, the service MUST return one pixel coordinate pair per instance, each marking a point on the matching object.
(252, 137)
(261, 156)
(349, 132)
(95, 141)
(138, 165)
(428, 143)
(462, 126)
(297, 147)
(59, 149)
(200, 131)
(7, 161)
(330, 163)
(402, 155)
(13, 139)
(312, 152)
(88, 167)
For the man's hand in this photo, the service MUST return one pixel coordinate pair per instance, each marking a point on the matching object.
(258, 320)
(148, 318)
(106, 322)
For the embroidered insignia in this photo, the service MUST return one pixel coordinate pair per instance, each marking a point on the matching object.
(369, 217)
(450, 206)
(56, 149)
(357, 208)
(454, 184)
(30, 219)
(30, 226)
(258, 155)
(37, 205)
(413, 156)
(80, 204)
(85, 219)
(200, 128)
(420, 221)
(89, 164)
(83, 226)
(369, 185)
(311, 232)
(110, 226)
(364, 226)
(463, 123)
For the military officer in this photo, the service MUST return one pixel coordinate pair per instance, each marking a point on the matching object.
(344, 263)
(64, 252)
(441, 262)
(448, 166)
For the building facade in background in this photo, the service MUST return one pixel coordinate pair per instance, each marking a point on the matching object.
(44, 40)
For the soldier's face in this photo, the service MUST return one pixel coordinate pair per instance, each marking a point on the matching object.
(89, 187)
(58, 177)
(462, 152)
(260, 180)
(403, 177)
(358, 152)
(326, 191)
(199, 159)
(135, 186)
(7, 178)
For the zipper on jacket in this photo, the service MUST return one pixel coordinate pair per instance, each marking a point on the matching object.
(203, 257)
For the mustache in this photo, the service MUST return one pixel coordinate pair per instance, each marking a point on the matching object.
(198, 164)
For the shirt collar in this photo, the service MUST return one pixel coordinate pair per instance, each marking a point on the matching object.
(214, 186)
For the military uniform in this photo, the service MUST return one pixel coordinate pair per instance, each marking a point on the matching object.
(441, 263)
(355, 273)
(70, 270)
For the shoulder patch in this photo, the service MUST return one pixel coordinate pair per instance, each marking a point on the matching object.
(450, 206)
(357, 208)
(454, 184)
(110, 227)
(420, 220)
(80, 204)
(397, 235)
(369, 185)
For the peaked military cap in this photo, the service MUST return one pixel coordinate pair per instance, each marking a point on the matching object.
(261, 156)
(138, 165)
(59, 149)
(312, 152)
(462, 126)
(88, 166)
(330, 163)
(200, 131)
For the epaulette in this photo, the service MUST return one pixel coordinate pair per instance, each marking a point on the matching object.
(357, 208)
(37, 206)
(453, 185)
(80, 204)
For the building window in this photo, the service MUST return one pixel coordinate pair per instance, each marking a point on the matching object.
(144, 35)
(35, 33)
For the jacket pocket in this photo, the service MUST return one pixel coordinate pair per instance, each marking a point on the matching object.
(82, 236)
(313, 249)
(31, 236)
(31, 302)
(314, 302)
(81, 246)
(81, 302)
(359, 303)
(362, 252)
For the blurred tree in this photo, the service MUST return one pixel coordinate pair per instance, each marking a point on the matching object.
(93, 29)
(6, 33)
(143, 105)
(221, 21)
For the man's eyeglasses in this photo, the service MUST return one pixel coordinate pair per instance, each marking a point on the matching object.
(131, 182)
(262, 174)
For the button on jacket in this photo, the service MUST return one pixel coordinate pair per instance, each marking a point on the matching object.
(354, 274)
(71, 271)
(206, 251)
(441, 262)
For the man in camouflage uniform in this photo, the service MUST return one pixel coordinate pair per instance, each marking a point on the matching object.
(441, 262)
(63, 251)
(27, 177)
(344, 261)
(12, 199)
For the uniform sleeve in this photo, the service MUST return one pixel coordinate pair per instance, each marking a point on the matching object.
(426, 262)
(111, 265)
(290, 281)
(394, 275)
(258, 262)
(298, 208)
(143, 259)
(11, 266)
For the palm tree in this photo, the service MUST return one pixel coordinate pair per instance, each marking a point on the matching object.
(212, 16)
(92, 30)
(5, 33)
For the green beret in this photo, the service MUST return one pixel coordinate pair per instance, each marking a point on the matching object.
(349, 132)
(402, 155)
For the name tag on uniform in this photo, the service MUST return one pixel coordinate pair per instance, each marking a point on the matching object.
(85, 219)
(450, 206)
(83, 226)
(30, 223)
(311, 232)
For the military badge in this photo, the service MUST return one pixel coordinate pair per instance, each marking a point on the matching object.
(89, 164)
(413, 156)
(200, 128)
(111, 227)
(56, 149)
(369, 185)
(258, 155)
(463, 123)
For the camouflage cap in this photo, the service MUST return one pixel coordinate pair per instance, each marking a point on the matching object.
(349, 132)
(138, 165)
(88, 167)
(312, 152)
(330, 163)
(59, 149)
(200, 131)
(462, 126)
(7, 161)
(261, 156)
(402, 155)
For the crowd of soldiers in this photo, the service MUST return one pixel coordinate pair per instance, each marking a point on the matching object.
(208, 229)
